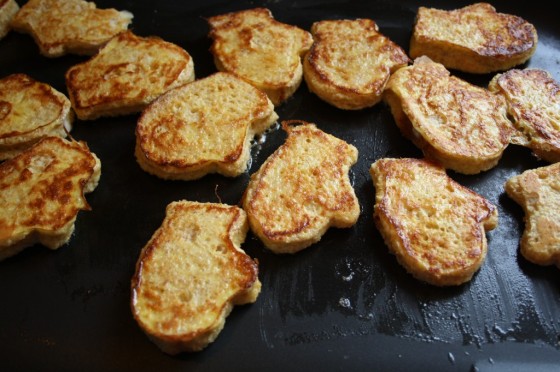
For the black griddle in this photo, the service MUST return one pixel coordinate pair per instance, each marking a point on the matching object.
(341, 304)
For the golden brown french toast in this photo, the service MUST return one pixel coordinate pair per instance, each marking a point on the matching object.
(460, 125)
(8, 10)
(30, 110)
(254, 46)
(69, 26)
(41, 192)
(302, 189)
(350, 62)
(126, 75)
(434, 226)
(533, 105)
(202, 127)
(537, 191)
(475, 39)
(190, 275)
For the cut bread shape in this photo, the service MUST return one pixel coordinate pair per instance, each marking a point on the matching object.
(434, 226)
(8, 10)
(474, 39)
(460, 125)
(302, 189)
(254, 46)
(350, 62)
(41, 192)
(202, 127)
(190, 275)
(537, 191)
(29, 111)
(127, 74)
(533, 105)
(60, 27)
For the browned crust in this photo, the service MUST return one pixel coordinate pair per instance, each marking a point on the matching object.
(537, 191)
(336, 205)
(240, 263)
(279, 82)
(42, 190)
(160, 154)
(505, 40)
(44, 94)
(346, 95)
(83, 79)
(533, 101)
(441, 258)
(58, 191)
(80, 36)
(461, 126)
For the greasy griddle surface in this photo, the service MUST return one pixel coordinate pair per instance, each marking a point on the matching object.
(342, 303)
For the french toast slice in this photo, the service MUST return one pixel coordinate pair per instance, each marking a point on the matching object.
(202, 127)
(462, 126)
(254, 46)
(30, 110)
(302, 189)
(537, 191)
(41, 192)
(434, 226)
(8, 10)
(350, 62)
(475, 39)
(190, 275)
(60, 27)
(533, 104)
(126, 75)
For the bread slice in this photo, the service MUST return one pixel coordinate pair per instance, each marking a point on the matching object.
(42, 191)
(190, 275)
(460, 125)
(350, 62)
(533, 105)
(8, 10)
(434, 226)
(126, 75)
(254, 46)
(302, 189)
(69, 26)
(538, 193)
(202, 127)
(30, 110)
(474, 39)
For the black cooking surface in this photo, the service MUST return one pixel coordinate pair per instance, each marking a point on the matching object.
(344, 303)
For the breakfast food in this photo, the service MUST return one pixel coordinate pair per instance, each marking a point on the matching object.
(69, 26)
(475, 39)
(302, 189)
(434, 226)
(8, 10)
(30, 110)
(254, 46)
(538, 193)
(460, 125)
(533, 105)
(350, 62)
(202, 127)
(41, 192)
(190, 275)
(126, 75)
